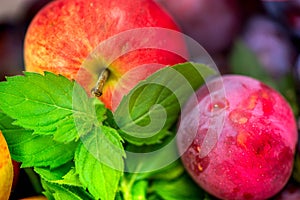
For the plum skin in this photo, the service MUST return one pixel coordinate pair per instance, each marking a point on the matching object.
(252, 155)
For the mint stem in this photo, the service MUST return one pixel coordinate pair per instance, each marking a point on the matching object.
(126, 186)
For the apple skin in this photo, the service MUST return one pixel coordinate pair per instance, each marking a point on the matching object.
(63, 34)
(252, 155)
(6, 170)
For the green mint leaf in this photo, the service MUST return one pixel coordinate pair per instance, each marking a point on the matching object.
(119, 196)
(139, 190)
(170, 172)
(63, 175)
(59, 175)
(153, 106)
(53, 174)
(71, 178)
(6, 123)
(48, 195)
(34, 150)
(99, 162)
(101, 111)
(64, 192)
(110, 121)
(48, 104)
(154, 197)
(181, 188)
(139, 161)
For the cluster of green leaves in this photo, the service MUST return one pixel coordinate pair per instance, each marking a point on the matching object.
(77, 146)
(45, 127)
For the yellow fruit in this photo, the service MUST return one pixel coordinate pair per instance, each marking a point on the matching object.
(6, 170)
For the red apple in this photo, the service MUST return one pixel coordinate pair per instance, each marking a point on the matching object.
(238, 138)
(65, 32)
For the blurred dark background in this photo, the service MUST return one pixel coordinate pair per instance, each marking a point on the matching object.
(260, 38)
(269, 29)
(15, 16)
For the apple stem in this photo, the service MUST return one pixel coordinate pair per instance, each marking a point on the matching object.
(97, 90)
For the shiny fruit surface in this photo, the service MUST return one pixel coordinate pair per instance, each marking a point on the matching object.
(243, 142)
(64, 33)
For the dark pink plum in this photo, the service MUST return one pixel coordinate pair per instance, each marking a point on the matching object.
(238, 139)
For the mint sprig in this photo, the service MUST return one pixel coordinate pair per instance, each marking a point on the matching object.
(49, 128)
(34, 150)
(64, 192)
(46, 105)
(99, 162)
(170, 190)
(76, 145)
(63, 175)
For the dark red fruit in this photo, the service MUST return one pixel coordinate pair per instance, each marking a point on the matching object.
(238, 139)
